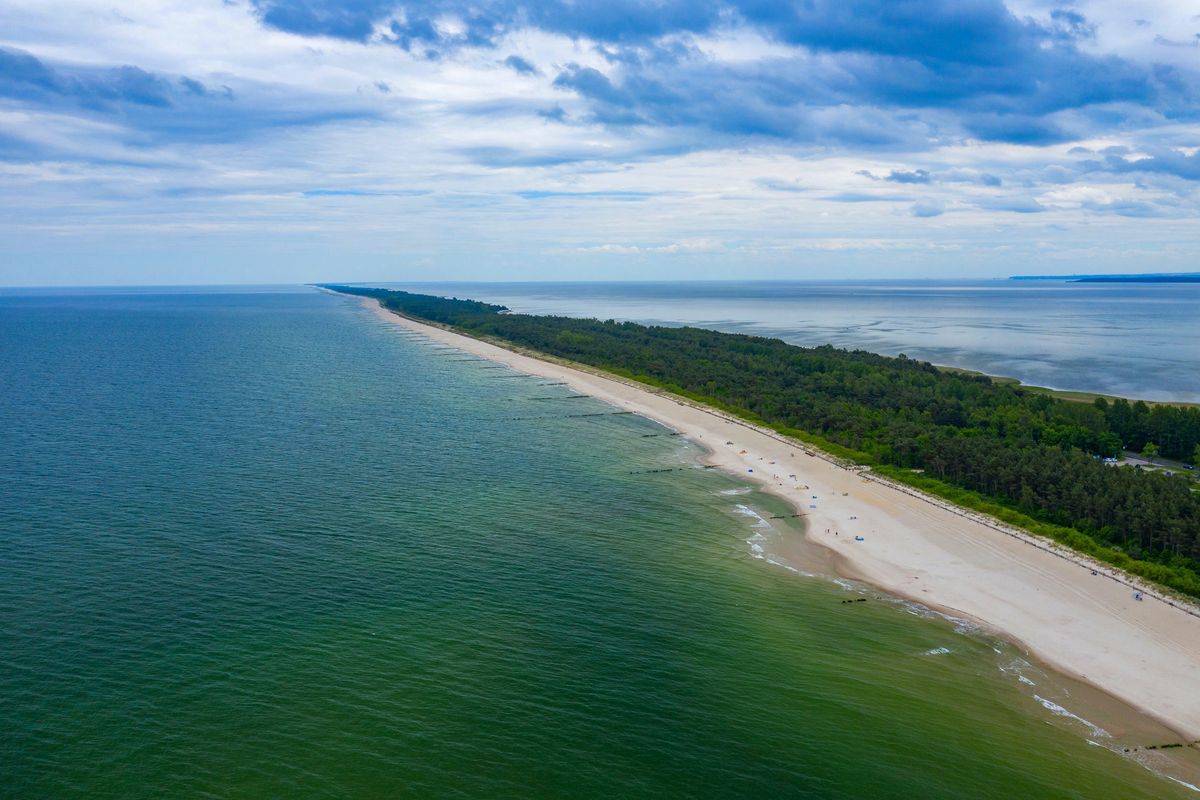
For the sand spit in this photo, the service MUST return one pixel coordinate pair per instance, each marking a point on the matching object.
(1086, 625)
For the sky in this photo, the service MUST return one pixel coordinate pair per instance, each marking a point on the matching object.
(263, 141)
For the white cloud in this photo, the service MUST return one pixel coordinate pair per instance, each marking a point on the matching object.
(434, 170)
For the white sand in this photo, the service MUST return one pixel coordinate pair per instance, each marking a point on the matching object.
(1146, 654)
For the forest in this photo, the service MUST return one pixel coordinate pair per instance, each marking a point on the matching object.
(1023, 450)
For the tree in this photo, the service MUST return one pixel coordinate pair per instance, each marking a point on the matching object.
(1150, 452)
(1110, 444)
(1196, 455)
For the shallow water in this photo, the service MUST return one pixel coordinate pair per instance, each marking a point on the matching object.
(263, 544)
(1131, 340)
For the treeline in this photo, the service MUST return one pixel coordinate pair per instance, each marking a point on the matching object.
(1175, 430)
(1027, 450)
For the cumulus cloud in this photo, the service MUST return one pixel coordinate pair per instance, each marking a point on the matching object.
(974, 66)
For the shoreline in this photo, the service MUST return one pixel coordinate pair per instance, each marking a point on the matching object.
(1044, 599)
(1072, 395)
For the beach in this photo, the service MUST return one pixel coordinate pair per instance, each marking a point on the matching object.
(1079, 618)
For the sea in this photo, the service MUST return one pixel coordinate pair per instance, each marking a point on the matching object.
(1125, 339)
(259, 543)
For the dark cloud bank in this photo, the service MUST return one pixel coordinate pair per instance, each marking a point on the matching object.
(869, 73)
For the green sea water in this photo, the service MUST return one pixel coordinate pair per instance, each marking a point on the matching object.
(261, 544)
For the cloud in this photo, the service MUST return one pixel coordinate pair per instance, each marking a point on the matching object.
(542, 194)
(977, 68)
(763, 102)
(1127, 208)
(990, 89)
(1161, 161)
(1028, 129)
(521, 65)
(1165, 42)
(913, 176)
(504, 157)
(153, 107)
(865, 197)
(1070, 25)
(344, 20)
(366, 193)
(777, 185)
(532, 126)
(1017, 205)
(24, 77)
(484, 21)
(696, 245)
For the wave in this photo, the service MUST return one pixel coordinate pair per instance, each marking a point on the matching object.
(1056, 709)
(779, 562)
(1191, 786)
(964, 626)
(746, 511)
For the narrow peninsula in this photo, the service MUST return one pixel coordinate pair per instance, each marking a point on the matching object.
(975, 498)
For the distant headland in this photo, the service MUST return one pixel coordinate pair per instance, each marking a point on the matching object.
(1156, 277)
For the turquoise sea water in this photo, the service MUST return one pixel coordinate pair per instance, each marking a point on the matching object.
(1132, 340)
(261, 544)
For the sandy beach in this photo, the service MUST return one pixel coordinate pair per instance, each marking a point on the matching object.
(1084, 624)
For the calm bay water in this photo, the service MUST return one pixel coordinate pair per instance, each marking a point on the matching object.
(1131, 340)
(260, 544)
